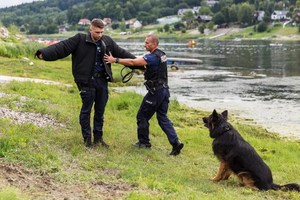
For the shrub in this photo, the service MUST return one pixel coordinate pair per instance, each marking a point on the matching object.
(262, 27)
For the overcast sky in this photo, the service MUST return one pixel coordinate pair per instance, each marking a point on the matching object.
(7, 3)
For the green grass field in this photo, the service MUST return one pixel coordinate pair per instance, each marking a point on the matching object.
(57, 155)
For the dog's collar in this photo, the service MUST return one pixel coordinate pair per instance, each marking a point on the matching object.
(220, 131)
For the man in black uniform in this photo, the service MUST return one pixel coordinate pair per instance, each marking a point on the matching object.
(90, 72)
(157, 98)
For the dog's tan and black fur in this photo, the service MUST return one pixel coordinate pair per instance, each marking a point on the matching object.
(238, 157)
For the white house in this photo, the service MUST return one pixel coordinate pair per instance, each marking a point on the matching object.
(133, 23)
(280, 15)
(181, 12)
(211, 3)
(259, 15)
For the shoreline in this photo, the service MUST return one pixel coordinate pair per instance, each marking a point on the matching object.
(283, 132)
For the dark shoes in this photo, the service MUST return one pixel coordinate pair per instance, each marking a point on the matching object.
(87, 142)
(97, 141)
(142, 145)
(177, 146)
(100, 141)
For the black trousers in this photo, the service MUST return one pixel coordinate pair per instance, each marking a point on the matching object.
(95, 95)
(155, 103)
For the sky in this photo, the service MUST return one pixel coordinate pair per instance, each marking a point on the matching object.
(7, 3)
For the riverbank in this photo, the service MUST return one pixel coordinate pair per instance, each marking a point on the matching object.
(234, 32)
(274, 33)
(51, 162)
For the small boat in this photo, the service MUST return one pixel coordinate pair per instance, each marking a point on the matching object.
(275, 44)
(175, 62)
(191, 43)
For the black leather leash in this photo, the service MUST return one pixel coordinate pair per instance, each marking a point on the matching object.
(127, 76)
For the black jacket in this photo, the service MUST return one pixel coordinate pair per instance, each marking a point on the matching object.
(83, 51)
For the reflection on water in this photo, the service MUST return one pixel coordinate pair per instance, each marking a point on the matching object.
(249, 78)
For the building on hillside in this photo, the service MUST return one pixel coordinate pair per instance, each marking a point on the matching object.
(63, 28)
(259, 15)
(107, 21)
(280, 15)
(211, 3)
(84, 21)
(196, 9)
(133, 23)
(204, 18)
(181, 12)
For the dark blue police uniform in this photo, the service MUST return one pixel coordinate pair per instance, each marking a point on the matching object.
(156, 101)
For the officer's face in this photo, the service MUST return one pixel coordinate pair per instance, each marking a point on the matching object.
(96, 32)
(149, 44)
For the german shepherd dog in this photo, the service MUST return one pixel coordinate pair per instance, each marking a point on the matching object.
(239, 157)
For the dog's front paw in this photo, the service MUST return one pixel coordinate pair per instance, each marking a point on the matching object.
(215, 178)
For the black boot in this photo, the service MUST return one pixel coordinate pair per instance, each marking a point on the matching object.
(177, 146)
(88, 142)
(99, 140)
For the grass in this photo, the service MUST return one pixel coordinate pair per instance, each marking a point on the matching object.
(58, 152)
(272, 33)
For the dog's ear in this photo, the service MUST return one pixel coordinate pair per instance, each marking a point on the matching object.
(225, 114)
(215, 115)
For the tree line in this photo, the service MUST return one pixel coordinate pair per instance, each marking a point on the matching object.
(45, 16)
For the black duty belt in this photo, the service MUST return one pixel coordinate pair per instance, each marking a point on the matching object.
(153, 86)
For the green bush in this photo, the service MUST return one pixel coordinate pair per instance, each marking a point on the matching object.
(262, 27)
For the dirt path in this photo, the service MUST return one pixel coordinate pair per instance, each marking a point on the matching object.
(6, 79)
(43, 186)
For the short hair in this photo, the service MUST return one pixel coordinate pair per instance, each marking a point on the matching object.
(97, 23)
(154, 38)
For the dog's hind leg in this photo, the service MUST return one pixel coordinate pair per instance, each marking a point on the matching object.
(223, 173)
(246, 179)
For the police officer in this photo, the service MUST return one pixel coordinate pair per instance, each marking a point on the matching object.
(90, 72)
(157, 98)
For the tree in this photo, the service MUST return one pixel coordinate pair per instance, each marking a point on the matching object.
(188, 18)
(122, 25)
(201, 28)
(146, 18)
(262, 27)
(245, 14)
(233, 13)
(166, 27)
(178, 25)
(218, 18)
(205, 10)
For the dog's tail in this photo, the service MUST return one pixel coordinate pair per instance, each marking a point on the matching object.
(287, 187)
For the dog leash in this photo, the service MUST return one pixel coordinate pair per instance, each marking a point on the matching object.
(127, 76)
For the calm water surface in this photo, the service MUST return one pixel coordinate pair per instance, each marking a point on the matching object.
(255, 80)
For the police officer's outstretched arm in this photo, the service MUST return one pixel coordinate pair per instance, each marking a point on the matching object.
(108, 58)
(119, 52)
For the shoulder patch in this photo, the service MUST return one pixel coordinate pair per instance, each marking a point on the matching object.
(163, 58)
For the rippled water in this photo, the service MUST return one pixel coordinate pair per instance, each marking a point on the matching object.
(251, 79)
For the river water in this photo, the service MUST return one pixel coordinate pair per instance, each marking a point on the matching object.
(255, 80)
